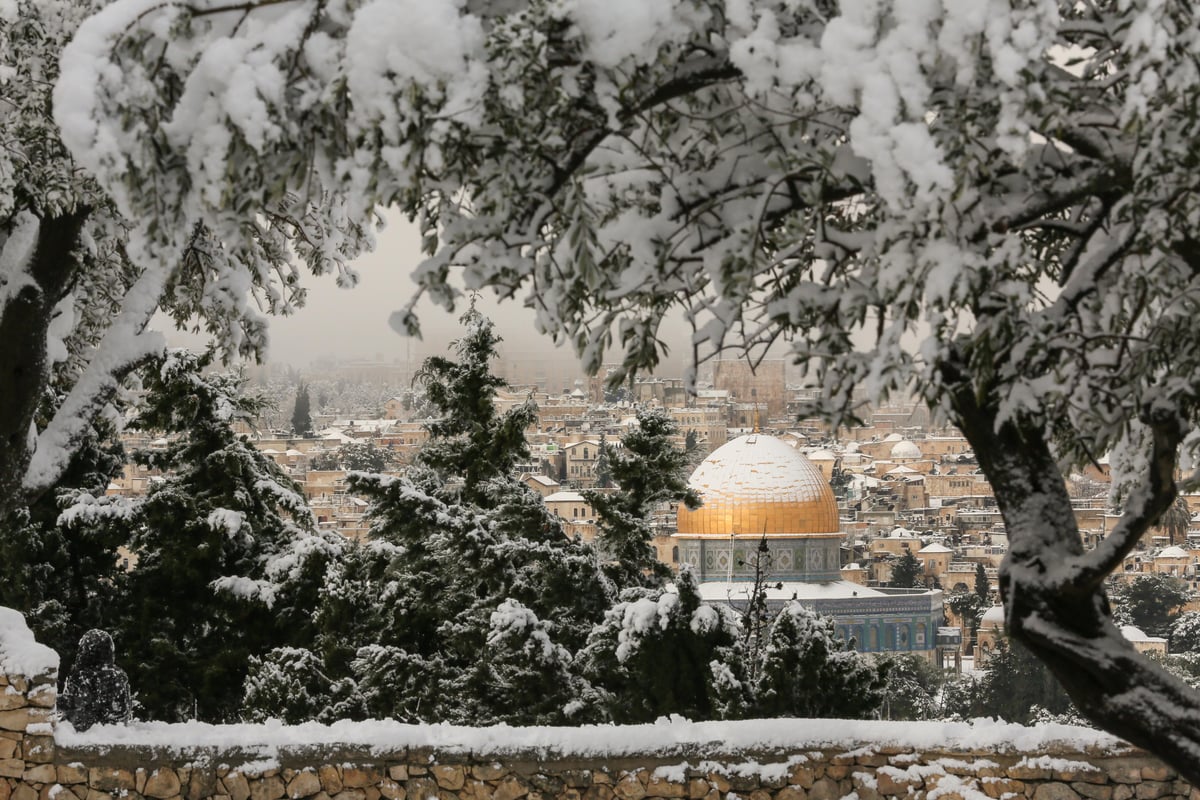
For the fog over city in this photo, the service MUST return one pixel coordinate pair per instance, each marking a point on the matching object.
(352, 324)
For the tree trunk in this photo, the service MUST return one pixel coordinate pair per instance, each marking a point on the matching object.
(24, 324)
(1055, 604)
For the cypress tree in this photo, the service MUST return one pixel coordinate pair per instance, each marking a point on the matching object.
(906, 572)
(982, 586)
(302, 424)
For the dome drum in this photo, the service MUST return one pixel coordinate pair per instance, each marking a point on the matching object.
(788, 559)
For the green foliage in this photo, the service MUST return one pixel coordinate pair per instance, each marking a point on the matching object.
(648, 470)
(1150, 602)
(226, 561)
(57, 569)
(808, 672)
(912, 687)
(982, 585)
(468, 439)
(1013, 684)
(1185, 633)
(906, 572)
(665, 653)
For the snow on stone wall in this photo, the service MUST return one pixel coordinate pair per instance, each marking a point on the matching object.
(41, 759)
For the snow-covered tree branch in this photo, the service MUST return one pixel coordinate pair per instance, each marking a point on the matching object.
(76, 292)
(991, 204)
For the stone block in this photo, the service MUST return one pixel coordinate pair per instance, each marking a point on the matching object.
(825, 789)
(236, 786)
(201, 784)
(449, 776)
(42, 773)
(39, 749)
(67, 774)
(1053, 790)
(350, 794)
(838, 771)
(871, 760)
(11, 767)
(791, 793)
(602, 777)
(718, 782)
(303, 784)
(1122, 792)
(630, 788)
(109, 780)
(999, 787)
(8, 748)
(661, 787)
(11, 699)
(509, 789)
(1093, 791)
(373, 793)
(95, 794)
(895, 783)
(760, 794)
(331, 779)
(803, 776)
(359, 778)
(23, 791)
(488, 772)
(19, 682)
(1027, 773)
(1157, 772)
(421, 788)
(697, 788)
(268, 787)
(17, 719)
(598, 791)
(398, 772)
(44, 696)
(391, 789)
(1151, 790)
(162, 783)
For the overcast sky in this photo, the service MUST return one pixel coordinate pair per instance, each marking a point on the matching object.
(353, 323)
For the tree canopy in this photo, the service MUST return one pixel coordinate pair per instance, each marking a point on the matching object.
(989, 206)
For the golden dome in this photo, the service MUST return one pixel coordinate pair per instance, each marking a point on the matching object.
(758, 484)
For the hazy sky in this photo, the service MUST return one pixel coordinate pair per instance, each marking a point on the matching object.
(353, 323)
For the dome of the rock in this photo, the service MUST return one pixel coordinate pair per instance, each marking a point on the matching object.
(757, 485)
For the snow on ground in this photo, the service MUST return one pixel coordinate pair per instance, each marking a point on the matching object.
(20, 654)
(674, 737)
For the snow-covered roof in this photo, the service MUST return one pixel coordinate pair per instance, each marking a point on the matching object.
(994, 616)
(905, 449)
(822, 455)
(1133, 634)
(902, 533)
(564, 497)
(852, 565)
(901, 470)
(935, 547)
(1174, 551)
(291, 451)
(893, 437)
(759, 468)
(542, 479)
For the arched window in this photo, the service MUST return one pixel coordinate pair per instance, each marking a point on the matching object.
(675, 555)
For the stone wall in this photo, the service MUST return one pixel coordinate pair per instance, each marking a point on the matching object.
(755, 760)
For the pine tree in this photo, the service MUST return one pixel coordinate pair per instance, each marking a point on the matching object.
(1150, 603)
(808, 672)
(648, 470)
(906, 572)
(415, 618)
(302, 424)
(227, 562)
(664, 653)
(603, 471)
(982, 585)
(59, 570)
(1014, 684)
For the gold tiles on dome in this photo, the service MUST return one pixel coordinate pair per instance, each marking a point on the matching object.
(759, 484)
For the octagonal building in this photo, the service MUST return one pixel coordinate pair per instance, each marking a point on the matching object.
(758, 488)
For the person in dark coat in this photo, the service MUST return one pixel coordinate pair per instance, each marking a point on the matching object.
(97, 690)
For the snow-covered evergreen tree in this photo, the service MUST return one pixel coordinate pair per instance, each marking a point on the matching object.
(226, 559)
(1185, 633)
(665, 653)
(648, 470)
(302, 424)
(906, 572)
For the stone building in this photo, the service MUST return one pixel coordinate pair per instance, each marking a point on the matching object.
(763, 386)
(759, 490)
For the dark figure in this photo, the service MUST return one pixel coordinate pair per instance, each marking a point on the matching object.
(97, 690)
